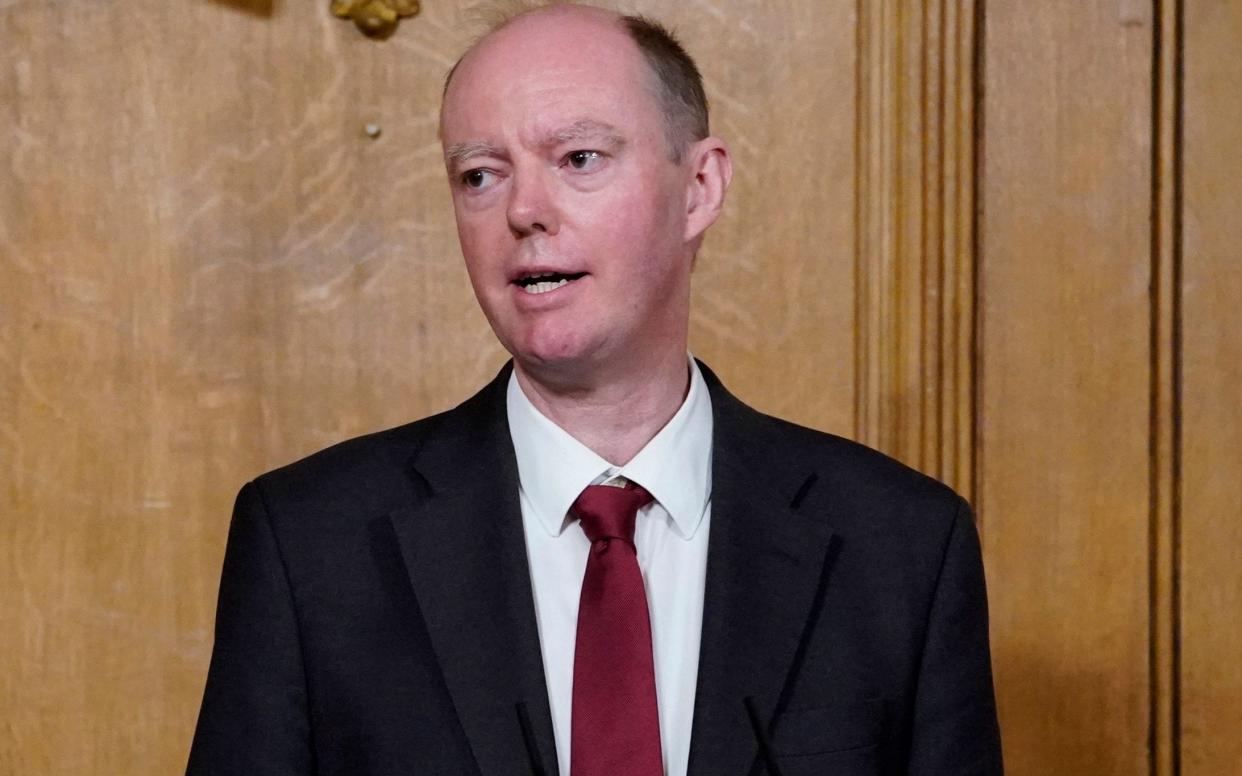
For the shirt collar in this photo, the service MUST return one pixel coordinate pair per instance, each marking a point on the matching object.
(675, 466)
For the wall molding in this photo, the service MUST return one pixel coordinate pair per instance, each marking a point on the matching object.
(915, 227)
(1166, 390)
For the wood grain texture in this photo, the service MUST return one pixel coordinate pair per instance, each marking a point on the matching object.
(1064, 428)
(208, 270)
(1211, 430)
(774, 285)
(914, 397)
(1166, 395)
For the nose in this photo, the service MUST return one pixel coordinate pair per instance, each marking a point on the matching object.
(531, 207)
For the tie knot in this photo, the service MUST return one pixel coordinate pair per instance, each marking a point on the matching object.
(609, 512)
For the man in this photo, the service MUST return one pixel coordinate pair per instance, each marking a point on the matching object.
(602, 563)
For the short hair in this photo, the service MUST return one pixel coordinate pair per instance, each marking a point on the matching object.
(678, 83)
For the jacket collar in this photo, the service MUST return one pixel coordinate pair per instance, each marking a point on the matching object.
(465, 555)
(674, 466)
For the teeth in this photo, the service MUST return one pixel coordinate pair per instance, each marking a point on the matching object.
(545, 286)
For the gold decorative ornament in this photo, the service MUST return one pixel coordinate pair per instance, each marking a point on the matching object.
(376, 18)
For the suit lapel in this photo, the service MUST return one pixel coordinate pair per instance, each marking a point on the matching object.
(465, 553)
(766, 570)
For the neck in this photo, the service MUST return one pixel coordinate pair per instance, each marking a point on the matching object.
(617, 414)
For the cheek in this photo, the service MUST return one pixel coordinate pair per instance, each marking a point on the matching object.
(482, 245)
(633, 230)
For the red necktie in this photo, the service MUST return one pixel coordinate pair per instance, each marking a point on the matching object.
(615, 721)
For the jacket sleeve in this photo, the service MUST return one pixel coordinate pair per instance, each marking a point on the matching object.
(955, 729)
(254, 718)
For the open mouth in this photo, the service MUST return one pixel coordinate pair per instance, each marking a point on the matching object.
(543, 282)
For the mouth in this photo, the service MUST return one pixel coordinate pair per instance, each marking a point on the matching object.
(545, 282)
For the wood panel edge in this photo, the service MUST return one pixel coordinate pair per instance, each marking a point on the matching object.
(915, 226)
(1165, 474)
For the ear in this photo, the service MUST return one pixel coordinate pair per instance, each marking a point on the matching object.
(711, 170)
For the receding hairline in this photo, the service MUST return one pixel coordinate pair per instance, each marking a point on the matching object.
(495, 17)
(685, 119)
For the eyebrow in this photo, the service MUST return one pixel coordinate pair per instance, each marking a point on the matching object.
(460, 152)
(583, 129)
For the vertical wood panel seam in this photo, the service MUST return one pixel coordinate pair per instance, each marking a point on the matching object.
(978, 118)
(957, 306)
(927, 250)
(1165, 400)
(968, 28)
(1155, 713)
(943, 315)
(860, 232)
(934, 292)
(949, 117)
(896, 302)
(1179, 106)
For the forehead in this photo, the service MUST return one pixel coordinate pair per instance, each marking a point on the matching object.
(542, 72)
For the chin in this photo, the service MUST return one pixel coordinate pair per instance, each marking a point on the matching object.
(555, 355)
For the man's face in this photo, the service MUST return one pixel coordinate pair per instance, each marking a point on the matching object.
(572, 218)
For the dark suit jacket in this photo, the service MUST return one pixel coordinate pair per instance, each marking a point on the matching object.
(375, 612)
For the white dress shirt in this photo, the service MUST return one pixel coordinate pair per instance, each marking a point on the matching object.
(670, 536)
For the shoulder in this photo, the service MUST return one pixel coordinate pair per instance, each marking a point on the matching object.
(858, 474)
(376, 472)
(362, 470)
(850, 484)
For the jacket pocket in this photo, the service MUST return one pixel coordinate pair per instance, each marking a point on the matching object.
(842, 727)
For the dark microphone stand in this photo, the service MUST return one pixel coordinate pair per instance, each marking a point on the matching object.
(761, 737)
(752, 713)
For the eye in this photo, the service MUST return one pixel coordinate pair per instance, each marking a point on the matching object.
(583, 160)
(477, 178)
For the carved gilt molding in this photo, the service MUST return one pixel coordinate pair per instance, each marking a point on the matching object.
(375, 18)
(915, 234)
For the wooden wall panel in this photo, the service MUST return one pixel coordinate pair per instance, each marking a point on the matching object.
(208, 270)
(1063, 461)
(914, 320)
(773, 304)
(1210, 638)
